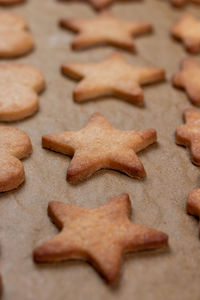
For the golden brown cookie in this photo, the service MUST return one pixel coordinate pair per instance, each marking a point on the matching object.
(98, 4)
(101, 146)
(180, 3)
(105, 29)
(193, 204)
(187, 29)
(100, 236)
(10, 2)
(19, 88)
(1, 285)
(113, 76)
(14, 145)
(189, 134)
(15, 39)
(189, 79)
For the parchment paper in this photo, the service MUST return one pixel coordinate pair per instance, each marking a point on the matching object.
(158, 201)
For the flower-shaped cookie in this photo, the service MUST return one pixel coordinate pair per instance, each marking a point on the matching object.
(14, 145)
(15, 39)
(19, 88)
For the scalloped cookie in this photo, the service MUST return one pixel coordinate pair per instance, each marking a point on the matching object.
(14, 145)
(19, 88)
(15, 39)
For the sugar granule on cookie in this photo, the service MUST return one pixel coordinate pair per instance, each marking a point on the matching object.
(19, 88)
(193, 204)
(105, 29)
(100, 236)
(98, 4)
(11, 2)
(14, 145)
(180, 3)
(101, 146)
(111, 77)
(189, 79)
(187, 29)
(15, 39)
(189, 134)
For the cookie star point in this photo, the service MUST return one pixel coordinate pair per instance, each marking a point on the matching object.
(97, 4)
(105, 29)
(188, 79)
(187, 30)
(193, 204)
(188, 135)
(81, 229)
(101, 146)
(113, 76)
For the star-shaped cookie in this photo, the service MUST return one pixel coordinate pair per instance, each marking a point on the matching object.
(189, 134)
(100, 236)
(14, 145)
(113, 76)
(193, 204)
(98, 4)
(180, 3)
(105, 29)
(189, 79)
(19, 88)
(187, 29)
(101, 146)
(15, 39)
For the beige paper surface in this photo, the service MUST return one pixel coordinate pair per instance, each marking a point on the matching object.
(158, 201)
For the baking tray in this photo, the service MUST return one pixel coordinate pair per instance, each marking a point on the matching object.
(158, 201)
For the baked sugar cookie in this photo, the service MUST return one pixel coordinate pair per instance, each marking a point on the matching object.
(14, 145)
(105, 29)
(193, 204)
(189, 79)
(15, 39)
(111, 77)
(100, 236)
(101, 146)
(11, 2)
(180, 3)
(98, 4)
(187, 29)
(19, 88)
(188, 135)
